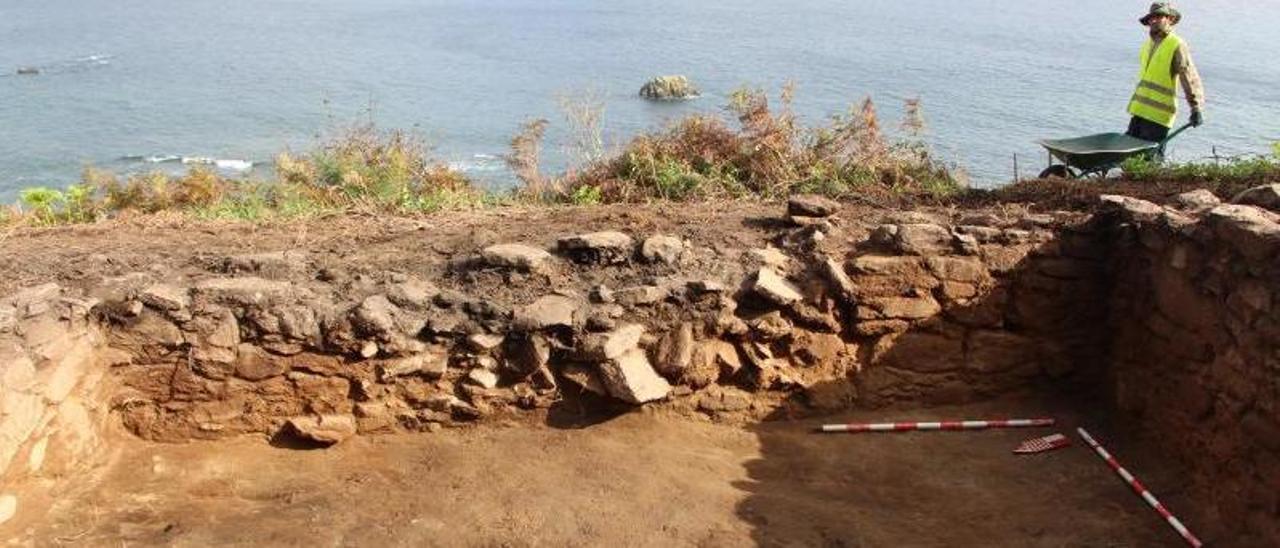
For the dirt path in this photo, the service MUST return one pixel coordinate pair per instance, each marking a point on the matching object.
(637, 480)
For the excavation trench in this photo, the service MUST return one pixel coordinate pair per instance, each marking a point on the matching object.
(1155, 323)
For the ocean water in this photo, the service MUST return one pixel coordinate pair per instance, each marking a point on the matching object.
(135, 85)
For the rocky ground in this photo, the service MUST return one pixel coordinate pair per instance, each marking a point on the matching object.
(552, 375)
(432, 326)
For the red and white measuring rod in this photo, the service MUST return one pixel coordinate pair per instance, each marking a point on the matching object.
(943, 425)
(1140, 490)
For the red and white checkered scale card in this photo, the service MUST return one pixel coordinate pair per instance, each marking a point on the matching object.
(1046, 443)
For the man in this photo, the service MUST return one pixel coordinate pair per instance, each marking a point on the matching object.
(1166, 62)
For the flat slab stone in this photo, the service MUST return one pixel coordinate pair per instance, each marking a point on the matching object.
(516, 256)
(243, 290)
(548, 311)
(1266, 196)
(632, 379)
(165, 297)
(772, 286)
(327, 429)
(611, 345)
(811, 205)
(607, 247)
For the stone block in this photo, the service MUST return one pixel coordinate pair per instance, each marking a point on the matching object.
(770, 285)
(630, 378)
(958, 269)
(547, 312)
(1264, 196)
(661, 249)
(516, 256)
(674, 351)
(923, 239)
(903, 308)
(608, 247)
(1250, 231)
(999, 351)
(924, 352)
(812, 205)
(165, 297)
(244, 291)
(327, 429)
(612, 344)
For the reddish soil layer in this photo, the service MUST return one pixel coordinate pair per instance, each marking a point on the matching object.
(635, 480)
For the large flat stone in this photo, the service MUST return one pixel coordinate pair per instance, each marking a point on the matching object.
(1265, 196)
(165, 297)
(516, 256)
(630, 378)
(924, 353)
(608, 247)
(770, 285)
(327, 429)
(812, 205)
(1135, 209)
(243, 291)
(903, 308)
(611, 345)
(547, 312)
(1251, 231)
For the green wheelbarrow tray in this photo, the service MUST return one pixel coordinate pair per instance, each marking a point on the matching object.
(1100, 153)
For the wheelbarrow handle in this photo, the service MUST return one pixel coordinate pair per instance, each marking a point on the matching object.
(1175, 134)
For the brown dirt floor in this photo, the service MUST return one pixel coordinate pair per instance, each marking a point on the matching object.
(637, 480)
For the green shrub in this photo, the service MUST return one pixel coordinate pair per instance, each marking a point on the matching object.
(1138, 167)
(45, 203)
(586, 195)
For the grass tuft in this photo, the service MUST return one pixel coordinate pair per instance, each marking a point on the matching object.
(359, 169)
(1226, 177)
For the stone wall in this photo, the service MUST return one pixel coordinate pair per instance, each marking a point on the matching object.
(1171, 310)
(827, 314)
(1195, 362)
(51, 414)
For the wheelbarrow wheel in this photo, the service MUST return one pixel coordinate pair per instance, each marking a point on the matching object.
(1057, 171)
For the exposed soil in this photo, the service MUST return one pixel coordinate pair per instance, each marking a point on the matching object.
(639, 479)
(80, 255)
(649, 476)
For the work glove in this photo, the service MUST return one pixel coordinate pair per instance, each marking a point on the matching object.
(1196, 118)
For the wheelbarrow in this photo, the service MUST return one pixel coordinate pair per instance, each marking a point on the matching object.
(1100, 153)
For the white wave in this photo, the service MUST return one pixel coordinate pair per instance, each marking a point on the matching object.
(77, 64)
(198, 160)
(160, 159)
(479, 162)
(234, 165)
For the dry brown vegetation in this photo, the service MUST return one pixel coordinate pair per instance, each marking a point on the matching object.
(764, 152)
(759, 149)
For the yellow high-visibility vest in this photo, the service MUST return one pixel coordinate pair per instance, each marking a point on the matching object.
(1156, 98)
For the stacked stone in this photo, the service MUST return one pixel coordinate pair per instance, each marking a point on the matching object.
(912, 307)
(49, 412)
(1195, 354)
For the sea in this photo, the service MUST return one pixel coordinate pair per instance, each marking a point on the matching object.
(140, 85)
